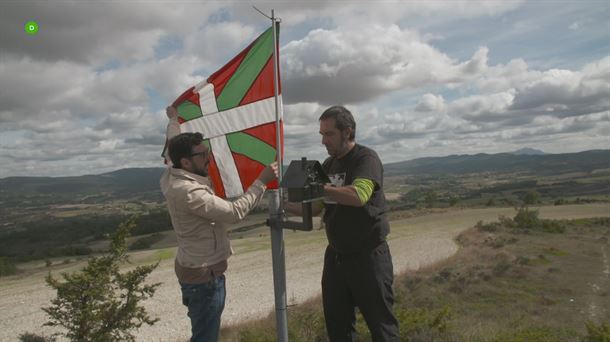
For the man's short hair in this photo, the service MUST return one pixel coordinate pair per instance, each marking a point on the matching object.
(343, 119)
(181, 146)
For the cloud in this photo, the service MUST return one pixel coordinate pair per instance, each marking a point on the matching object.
(512, 91)
(431, 103)
(94, 32)
(48, 91)
(341, 66)
(545, 106)
(86, 94)
(207, 40)
(483, 107)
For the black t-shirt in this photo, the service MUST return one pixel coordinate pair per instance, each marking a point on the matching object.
(355, 229)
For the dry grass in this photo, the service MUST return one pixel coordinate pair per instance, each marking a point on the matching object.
(504, 284)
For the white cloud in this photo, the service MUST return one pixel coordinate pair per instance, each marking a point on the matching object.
(431, 103)
(205, 42)
(341, 66)
(86, 94)
(484, 107)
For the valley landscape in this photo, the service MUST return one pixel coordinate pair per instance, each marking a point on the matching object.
(54, 224)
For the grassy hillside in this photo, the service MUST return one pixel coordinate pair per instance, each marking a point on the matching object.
(516, 279)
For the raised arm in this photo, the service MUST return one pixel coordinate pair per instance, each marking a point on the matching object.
(204, 203)
(173, 129)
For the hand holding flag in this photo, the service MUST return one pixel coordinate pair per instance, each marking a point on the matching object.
(171, 112)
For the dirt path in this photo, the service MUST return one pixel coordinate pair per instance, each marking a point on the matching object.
(414, 242)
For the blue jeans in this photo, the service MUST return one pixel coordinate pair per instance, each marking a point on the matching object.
(205, 303)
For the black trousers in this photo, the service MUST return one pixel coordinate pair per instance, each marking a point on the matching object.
(359, 280)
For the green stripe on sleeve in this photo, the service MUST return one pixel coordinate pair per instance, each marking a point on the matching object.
(364, 189)
(251, 147)
(248, 70)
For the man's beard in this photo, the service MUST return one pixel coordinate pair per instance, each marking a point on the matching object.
(339, 149)
(201, 172)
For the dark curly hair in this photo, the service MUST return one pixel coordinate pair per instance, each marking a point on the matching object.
(181, 146)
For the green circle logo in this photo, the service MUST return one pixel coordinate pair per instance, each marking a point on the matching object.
(31, 27)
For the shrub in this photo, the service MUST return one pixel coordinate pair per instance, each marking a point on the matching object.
(526, 218)
(256, 335)
(533, 334)
(306, 326)
(29, 337)
(99, 303)
(554, 227)
(7, 267)
(500, 268)
(598, 333)
(531, 197)
(487, 227)
(453, 200)
(417, 323)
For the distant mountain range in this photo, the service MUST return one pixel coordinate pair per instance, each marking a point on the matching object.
(528, 151)
(525, 160)
(120, 183)
(132, 182)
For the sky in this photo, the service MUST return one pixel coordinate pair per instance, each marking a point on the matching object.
(86, 94)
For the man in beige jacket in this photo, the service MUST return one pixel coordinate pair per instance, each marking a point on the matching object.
(199, 217)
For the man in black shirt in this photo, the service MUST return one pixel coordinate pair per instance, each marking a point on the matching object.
(358, 269)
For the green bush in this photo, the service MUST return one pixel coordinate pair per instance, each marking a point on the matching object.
(554, 227)
(488, 227)
(534, 334)
(99, 303)
(598, 333)
(256, 335)
(29, 337)
(307, 325)
(428, 324)
(526, 218)
(7, 267)
(531, 197)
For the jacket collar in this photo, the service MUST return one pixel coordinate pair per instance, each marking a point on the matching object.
(180, 173)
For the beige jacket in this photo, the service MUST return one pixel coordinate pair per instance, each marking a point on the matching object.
(199, 216)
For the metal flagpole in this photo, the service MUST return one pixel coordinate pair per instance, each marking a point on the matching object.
(275, 210)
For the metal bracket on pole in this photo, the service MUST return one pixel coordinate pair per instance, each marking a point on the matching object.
(305, 225)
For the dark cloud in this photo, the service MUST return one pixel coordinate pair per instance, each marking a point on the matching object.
(92, 31)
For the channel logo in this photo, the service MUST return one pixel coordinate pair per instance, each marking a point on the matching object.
(31, 28)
